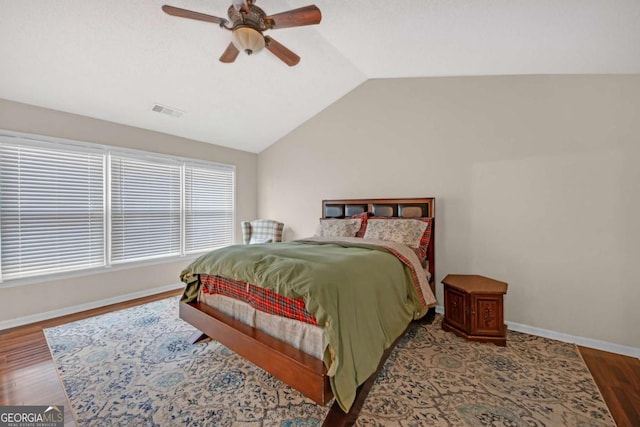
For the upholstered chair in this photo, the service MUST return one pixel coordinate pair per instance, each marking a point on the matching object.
(261, 231)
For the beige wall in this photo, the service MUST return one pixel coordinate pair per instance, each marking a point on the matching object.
(536, 180)
(28, 300)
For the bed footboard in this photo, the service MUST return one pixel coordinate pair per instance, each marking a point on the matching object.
(294, 367)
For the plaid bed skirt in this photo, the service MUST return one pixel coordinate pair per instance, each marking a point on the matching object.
(259, 298)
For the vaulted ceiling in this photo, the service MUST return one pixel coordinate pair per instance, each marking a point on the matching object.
(113, 60)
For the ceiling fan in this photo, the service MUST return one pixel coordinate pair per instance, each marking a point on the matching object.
(247, 22)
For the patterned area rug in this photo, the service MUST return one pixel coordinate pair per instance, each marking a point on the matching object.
(134, 368)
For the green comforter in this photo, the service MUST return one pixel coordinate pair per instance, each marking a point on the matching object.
(361, 294)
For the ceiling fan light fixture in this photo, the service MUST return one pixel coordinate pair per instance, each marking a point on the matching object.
(247, 39)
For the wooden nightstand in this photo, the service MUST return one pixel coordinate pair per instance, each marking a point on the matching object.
(473, 308)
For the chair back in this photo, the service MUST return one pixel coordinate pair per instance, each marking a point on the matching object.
(261, 231)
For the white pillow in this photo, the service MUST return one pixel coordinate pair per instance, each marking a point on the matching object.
(338, 227)
(405, 231)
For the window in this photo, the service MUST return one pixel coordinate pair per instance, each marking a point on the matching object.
(209, 205)
(52, 210)
(145, 209)
(69, 206)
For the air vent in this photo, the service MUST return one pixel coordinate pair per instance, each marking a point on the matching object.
(170, 111)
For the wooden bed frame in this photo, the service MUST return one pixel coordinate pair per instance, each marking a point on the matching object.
(294, 367)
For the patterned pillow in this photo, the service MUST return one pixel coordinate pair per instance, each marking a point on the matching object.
(426, 238)
(415, 232)
(338, 227)
(362, 216)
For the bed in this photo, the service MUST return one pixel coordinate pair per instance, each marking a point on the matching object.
(220, 297)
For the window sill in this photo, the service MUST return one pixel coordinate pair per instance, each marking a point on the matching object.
(97, 270)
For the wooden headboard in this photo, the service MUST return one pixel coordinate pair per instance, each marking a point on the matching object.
(400, 208)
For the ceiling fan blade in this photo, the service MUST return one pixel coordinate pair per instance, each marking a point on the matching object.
(308, 15)
(184, 13)
(281, 52)
(230, 54)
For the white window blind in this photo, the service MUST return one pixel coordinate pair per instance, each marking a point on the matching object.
(209, 206)
(51, 209)
(68, 206)
(145, 208)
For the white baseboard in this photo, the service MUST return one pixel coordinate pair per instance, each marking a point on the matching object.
(518, 327)
(582, 341)
(25, 320)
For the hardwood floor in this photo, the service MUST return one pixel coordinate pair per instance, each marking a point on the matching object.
(27, 373)
(618, 378)
(28, 376)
